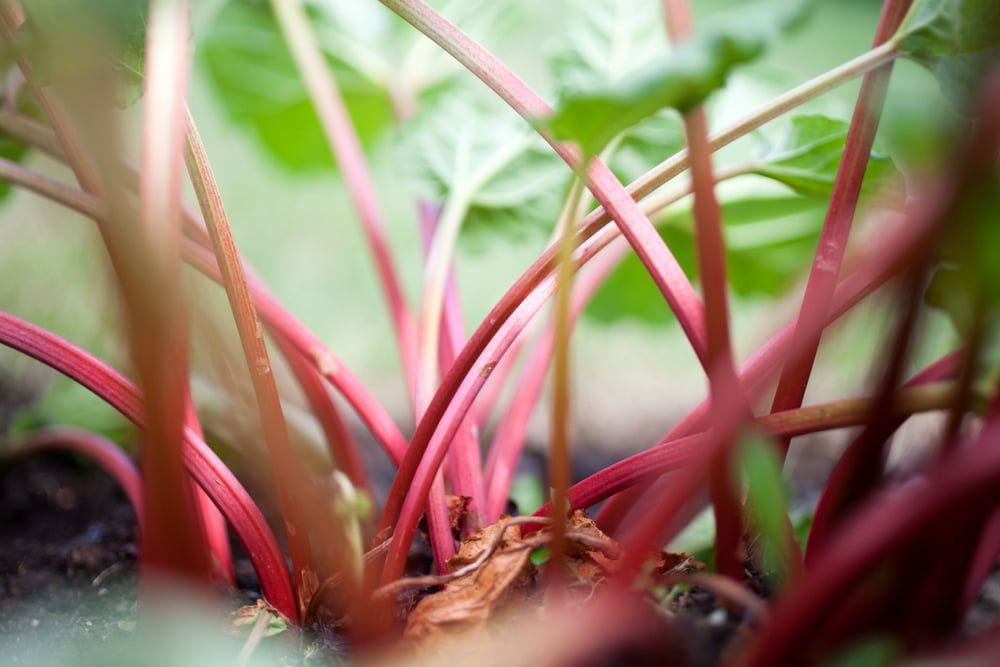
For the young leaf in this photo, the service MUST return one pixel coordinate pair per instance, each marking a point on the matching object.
(593, 116)
(807, 155)
(957, 39)
(504, 174)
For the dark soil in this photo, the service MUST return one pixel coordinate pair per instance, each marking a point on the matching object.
(67, 553)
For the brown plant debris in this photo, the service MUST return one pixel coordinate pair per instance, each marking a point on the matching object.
(493, 569)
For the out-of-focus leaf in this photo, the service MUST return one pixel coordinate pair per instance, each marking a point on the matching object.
(66, 402)
(506, 176)
(968, 280)
(258, 85)
(606, 41)
(766, 502)
(806, 157)
(119, 25)
(594, 115)
(957, 39)
(13, 151)
(769, 242)
(877, 651)
(528, 493)
(382, 67)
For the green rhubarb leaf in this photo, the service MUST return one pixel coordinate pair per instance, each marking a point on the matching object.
(767, 501)
(382, 66)
(807, 155)
(956, 39)
(492, 166)
(769, 240)
(595, 113)
(606, 41)
(248, 63)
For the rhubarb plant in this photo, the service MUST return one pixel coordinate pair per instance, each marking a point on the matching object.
(614, 178)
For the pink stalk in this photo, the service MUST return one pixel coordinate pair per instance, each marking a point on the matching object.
(142, 258)
(213, 523)
(843, 204)
(210, 473)
(465, 465)
(346, 147)
(106, 454)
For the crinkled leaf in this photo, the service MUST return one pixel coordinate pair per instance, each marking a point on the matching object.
(957, 39)
(508, 176)
(605, 41)
(769, 242)
(594, 115)
(807, 155)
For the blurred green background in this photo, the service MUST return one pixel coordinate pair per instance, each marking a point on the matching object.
(634, 374)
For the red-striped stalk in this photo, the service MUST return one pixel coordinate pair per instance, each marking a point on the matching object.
(287, 475)
(840, 214)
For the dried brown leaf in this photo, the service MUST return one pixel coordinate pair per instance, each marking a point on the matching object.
(471, 600)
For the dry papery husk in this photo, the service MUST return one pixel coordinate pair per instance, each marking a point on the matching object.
(504, 588)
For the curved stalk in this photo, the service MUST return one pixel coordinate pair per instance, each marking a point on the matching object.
(319, 358)
(200, 461)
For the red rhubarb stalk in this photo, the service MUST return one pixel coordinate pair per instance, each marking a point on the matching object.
(840, 215)
(200, 461)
